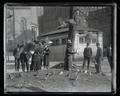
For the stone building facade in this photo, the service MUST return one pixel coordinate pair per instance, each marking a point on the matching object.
(22, 25)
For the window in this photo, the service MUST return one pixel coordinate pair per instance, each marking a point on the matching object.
(55, 42)
(81, 40)
(64, 41)
(94, 40)
(87, 40)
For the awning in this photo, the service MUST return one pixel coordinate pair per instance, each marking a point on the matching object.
(78, 28)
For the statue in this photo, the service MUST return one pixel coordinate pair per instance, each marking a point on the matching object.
(79, 19)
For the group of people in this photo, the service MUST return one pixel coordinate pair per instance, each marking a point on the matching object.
(88, 57)
(98, 58)
(39, 55)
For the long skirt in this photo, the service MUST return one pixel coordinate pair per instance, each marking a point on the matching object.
(36, 63)
(46, 61)
(32, 63)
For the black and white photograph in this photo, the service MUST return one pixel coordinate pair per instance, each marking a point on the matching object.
(59, 48)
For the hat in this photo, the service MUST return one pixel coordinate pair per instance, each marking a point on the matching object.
(88, 43)
(97, 44)
(69, 41)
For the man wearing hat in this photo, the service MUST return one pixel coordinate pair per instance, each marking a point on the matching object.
(98, 58)
(46, 57)
(87, 56)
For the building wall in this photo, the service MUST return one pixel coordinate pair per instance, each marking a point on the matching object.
(58, 49)
(56, 55)
(22, 32)
(102, 20)
(19, 14)
(49, 20)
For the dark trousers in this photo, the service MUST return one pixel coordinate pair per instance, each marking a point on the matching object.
(37, 65)
(86, 59)
(32, 63)
(46, 61)
(24, 62)
(110, 62)
(17, 64)
(98, 66)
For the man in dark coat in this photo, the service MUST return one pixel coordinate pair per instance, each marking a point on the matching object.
(68, 56)
(87, 56)
(109, 56)
(16, 55)
(36, 61)
(46, 57)
(24, 60)
(98, 58)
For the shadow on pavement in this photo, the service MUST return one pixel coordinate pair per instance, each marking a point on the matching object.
(58, 66)
(35, 89)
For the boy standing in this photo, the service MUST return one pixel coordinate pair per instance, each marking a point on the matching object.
(87, 56)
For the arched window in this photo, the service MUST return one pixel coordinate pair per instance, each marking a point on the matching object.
(55, 42)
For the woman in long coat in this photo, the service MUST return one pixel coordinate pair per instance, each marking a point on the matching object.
(37, 58)
(46, 57)
(37, 61)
